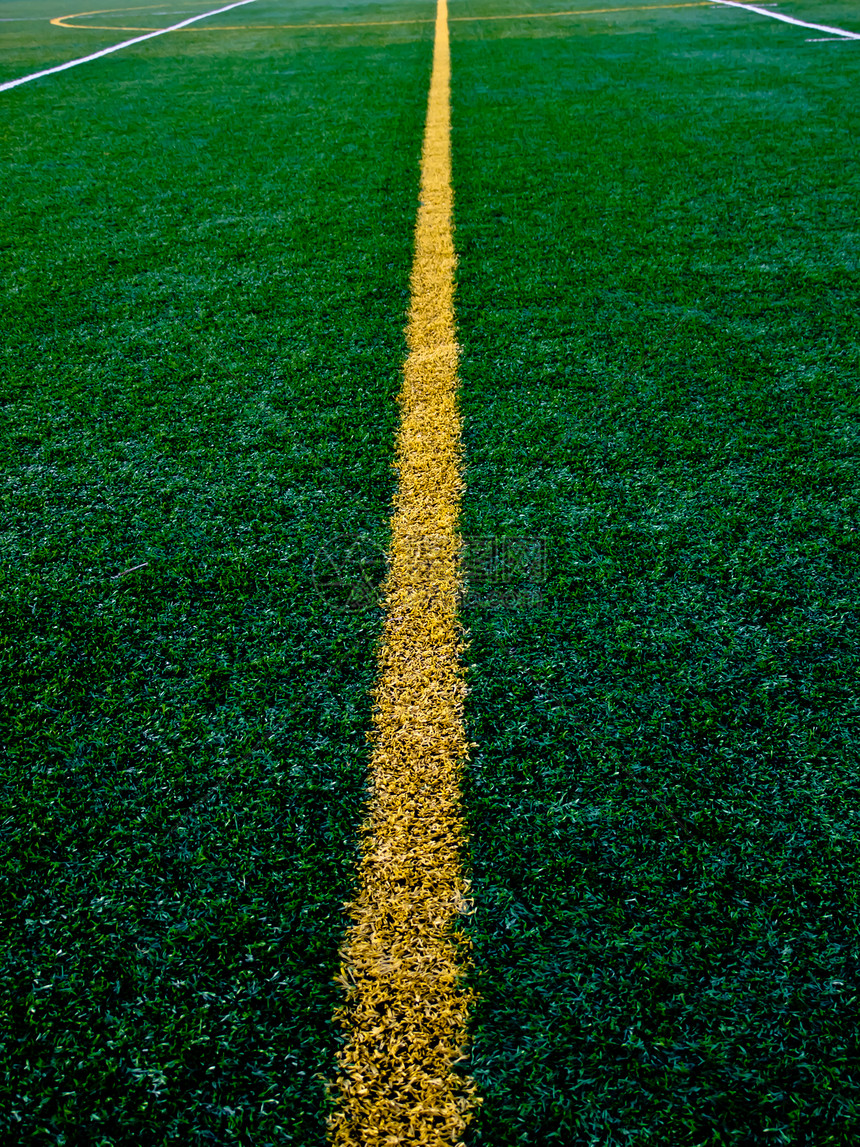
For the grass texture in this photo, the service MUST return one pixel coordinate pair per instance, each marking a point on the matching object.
(205, 264)
(657, 229)
(205, 248)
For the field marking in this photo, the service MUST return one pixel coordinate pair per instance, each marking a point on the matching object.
(242, 27)
(60, 21)
(586, 11)
(406, 1007)
(116, 47)
(789, 19)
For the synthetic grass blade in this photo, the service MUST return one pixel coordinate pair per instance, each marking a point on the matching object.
(406, 1008)
(5, 87)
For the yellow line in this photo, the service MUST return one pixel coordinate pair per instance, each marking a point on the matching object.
(109, 27)
(236, 27)
(585, 11)
(60, 21)
(406, 1009)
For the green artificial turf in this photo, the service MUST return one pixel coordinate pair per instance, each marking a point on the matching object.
(205, 260)
(658, 289)
(205, 245)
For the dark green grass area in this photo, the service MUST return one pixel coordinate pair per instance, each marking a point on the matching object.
(658, 290)
(205, 276)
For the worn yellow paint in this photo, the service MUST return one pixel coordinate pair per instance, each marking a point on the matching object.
(406, 1004)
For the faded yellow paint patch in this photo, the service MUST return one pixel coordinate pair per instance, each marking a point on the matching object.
(407, 1007)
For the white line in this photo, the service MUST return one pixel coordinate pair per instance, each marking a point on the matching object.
(789, 19)
(116, 47)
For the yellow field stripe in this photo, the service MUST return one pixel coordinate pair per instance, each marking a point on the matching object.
(60, 21)
(407, 1007)
(584, 12)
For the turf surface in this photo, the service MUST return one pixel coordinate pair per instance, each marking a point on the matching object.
(205, 250)
(657, 302)
(205, 266)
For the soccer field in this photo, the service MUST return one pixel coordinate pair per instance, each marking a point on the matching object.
(205, 247)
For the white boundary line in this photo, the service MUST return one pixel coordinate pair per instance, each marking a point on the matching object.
(789, 19)
(116, 47)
